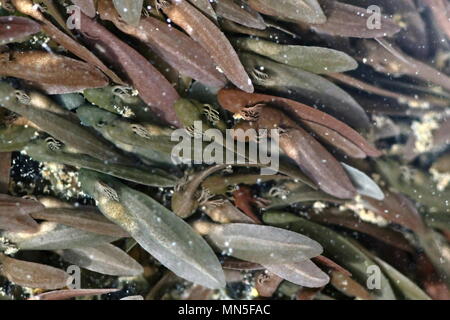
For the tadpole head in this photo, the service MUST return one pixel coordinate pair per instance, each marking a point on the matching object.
(95, 117)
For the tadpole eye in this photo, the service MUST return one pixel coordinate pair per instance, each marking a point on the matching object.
(101, 123)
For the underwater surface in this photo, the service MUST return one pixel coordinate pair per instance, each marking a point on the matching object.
(224, 149)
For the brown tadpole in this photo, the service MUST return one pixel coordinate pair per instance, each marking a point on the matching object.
(153, 88)
(51, 70)
(179, 50)
(214, 41)
(317, 121)
(314, 160)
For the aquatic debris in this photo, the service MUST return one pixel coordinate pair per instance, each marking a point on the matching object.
(396, 208)
(430, 135)
(414, 183)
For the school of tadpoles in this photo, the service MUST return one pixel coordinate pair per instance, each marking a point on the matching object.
(356, 92)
